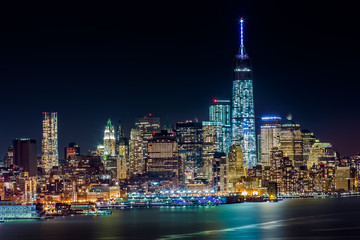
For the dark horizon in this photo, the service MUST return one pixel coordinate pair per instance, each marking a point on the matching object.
(90, 63)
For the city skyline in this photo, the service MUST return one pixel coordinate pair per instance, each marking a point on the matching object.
(82, 114)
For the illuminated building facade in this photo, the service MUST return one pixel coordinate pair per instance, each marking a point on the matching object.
(236, 168)
(270, 137)
(147, 126)
(9, 158)
(212, 134)
(308, 140)
(25, 156)
(122, 158)
(109, 140)
(136, 163)
(164, 161)
(321, 153)
(50, 152)
(291, 142)
(190, 141)
(243, 116)
(219, 182)
(219, 112)
(72, 151)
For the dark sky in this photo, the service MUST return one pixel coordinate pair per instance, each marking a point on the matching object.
(92, 62)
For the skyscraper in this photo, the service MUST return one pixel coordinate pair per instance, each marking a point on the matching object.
(25, 155)
(109, 140)
(291, 142)
(219, 112)
(270, 137)
(243, 116)
(71, 151)
(50, 152)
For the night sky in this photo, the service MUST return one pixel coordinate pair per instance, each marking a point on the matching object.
(94, 62)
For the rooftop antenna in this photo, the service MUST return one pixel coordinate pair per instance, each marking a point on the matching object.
(242, 46)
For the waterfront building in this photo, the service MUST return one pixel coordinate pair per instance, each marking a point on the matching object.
(71, 151)
(164, 162)
(291, 142)
(236, 166)
(308, 140)
(25, 156)
(2, 189)
(50, 152)
(109, 140)
(343, 178)
(190, 142)
(219, 180)
(270, 137)
(219, 112)
(243, 116)
(212, 134)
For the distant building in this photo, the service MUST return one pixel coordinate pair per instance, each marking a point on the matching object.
(291, 142)
(122, 158)
(25, 155)
(236, 166)
(50, 152)
(9, 158)
(219, 112)
(270, 137)
(211, 133)
(219, 172)
(190, 140)
(308, 140)
(342, 178)
(136, 163)
(321, 153)
(71, 151)
(109, 140)
(164, 161)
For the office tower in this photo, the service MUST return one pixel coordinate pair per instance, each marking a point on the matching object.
(190, 140)
(219, 112)
(119, 131)
(50, 152)
(236, 168)
(291, 142)
(25, 155)
(2, 189)
(109, 140)
(212, 132)
(122, 158)
(343, 178)
(321, 153)
(163, 162)
(71, 151)
(9, 158)
(147, 125)
(270, 137)
(243, 116)
(219, 172)
(308, 140)
(136, 163)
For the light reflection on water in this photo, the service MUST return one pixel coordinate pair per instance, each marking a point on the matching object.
(289, 219)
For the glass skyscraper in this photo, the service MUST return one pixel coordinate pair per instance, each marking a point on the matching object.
(50, 152)
(219, 113)
(243, 116)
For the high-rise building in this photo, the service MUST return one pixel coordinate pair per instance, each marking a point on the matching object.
(71, 151)
(291, 142)
(321, 153)
(190, 140)
(236, 168)
(164, 161)
(25, 155)
(109, 140)
(50, 151)
(147, 126)
(270, 137)
(219, 112)
(243, 116)
(122, 158)
(212, 132)
(136, 163)
(9, 157)
(308, 140)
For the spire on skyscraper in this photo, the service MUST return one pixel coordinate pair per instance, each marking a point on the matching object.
(242, 53)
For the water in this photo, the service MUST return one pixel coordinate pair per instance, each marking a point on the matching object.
(337, 218)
